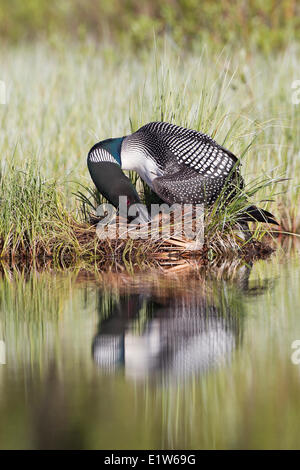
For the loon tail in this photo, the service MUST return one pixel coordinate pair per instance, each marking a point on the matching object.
(253, 213)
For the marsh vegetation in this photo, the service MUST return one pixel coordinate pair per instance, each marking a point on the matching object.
(62, 98)
(138, 344)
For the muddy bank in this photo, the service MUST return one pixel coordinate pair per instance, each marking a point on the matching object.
(81, 245)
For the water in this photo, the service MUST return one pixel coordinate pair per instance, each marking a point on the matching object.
(150, 361)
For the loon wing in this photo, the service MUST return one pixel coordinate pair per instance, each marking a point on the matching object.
(187, 186)
(193, 149)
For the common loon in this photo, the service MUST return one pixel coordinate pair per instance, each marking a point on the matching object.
(180, 165)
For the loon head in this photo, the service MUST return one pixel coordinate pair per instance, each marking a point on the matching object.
(104, 164)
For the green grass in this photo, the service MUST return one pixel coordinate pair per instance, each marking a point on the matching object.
(61, 100)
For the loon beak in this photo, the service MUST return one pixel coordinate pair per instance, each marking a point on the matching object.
(111, 182)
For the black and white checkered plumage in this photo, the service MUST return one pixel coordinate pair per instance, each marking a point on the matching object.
(180, 165)
(182, 337)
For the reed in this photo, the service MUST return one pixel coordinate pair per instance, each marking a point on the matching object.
(63, 98)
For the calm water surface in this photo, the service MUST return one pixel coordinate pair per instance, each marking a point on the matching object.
(151, 361)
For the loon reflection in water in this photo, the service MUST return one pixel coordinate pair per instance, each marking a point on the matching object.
(179, 339)
(171, 337)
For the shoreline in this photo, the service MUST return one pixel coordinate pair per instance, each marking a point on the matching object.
(86, 248)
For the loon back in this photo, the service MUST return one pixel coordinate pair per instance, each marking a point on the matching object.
(180, 165)
(167, 143)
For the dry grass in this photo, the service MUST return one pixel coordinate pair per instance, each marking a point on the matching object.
(56, 101)
(80, 244)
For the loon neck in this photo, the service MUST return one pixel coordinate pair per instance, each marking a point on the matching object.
(113, 146)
